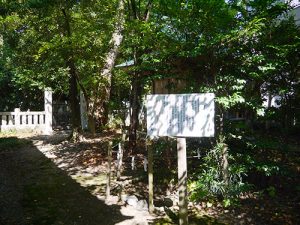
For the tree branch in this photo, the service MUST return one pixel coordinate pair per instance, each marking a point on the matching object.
(134, 10)
(147, 10)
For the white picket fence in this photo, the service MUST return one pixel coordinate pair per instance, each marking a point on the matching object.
(39, 121)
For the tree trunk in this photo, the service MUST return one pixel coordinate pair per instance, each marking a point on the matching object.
(219, 120)
(119, 160)
(108, 175)
(136, 82)
(73, 89)
(224, 162)
(224, 148)
(98, 107)
(134, 109)
(74, 103)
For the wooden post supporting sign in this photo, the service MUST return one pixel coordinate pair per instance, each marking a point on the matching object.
(150, 178)
(108, 175)
(182, 181)
(180, 116)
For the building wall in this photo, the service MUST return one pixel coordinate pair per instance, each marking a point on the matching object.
(296, 13)
(296, 9)
(168, 86)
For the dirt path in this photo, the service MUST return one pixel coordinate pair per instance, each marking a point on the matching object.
(49, 181)
(35, 191)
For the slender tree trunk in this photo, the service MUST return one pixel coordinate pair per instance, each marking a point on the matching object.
(136, 83)
(108, 175)
(98, 108)
(135, 109)
(74, 103)
(119, 161)
(224, 162)
(219, 119)
(1, 45)
(73, 89)
(224, 148)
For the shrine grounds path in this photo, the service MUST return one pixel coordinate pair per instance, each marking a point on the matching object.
(35, 191)
(47, 180)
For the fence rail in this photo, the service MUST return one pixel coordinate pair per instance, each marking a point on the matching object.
(18, 120)
(37, 121)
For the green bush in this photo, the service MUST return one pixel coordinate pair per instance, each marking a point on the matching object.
(210, 183)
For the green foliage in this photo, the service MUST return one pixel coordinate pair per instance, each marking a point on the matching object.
(16, 95)
(271, 191)
(210, 183)
(231, 51)
(240, 50)
(253, 163)
(42, 43)
(241, 59)
(165, 169)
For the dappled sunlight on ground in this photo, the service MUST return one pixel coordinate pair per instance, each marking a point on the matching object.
(54, 181)
(46, 194)
(85, 163)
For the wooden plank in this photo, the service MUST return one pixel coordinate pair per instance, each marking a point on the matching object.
(182, 181)
(119, 160)
(108, 177)
(150, 178)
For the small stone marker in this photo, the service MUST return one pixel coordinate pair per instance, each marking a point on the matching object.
(132, 200)
(142, 205)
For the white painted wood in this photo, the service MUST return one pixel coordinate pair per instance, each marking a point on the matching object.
(184, 115)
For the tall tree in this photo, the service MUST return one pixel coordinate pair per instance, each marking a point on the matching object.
(37, 28)
(230, 51)
(61, 41)
(98, 99)
(138, 14)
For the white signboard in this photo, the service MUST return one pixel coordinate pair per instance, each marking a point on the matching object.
(182, 115)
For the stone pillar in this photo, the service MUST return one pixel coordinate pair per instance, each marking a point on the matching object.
(83, 112)
(48, 111)
(17, 118)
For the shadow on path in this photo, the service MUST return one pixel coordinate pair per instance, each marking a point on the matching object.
(34, 191)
